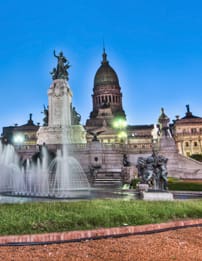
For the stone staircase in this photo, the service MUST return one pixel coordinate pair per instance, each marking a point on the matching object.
(108, 179)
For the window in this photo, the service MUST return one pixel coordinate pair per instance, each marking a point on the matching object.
(187, 144)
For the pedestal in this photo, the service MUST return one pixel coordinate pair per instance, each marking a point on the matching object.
(156, 196)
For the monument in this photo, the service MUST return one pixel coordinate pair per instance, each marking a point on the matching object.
(152, 172)
(47, 175)
(61, 121)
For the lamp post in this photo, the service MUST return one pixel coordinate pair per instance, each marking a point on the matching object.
(120, 125)
(18, 140)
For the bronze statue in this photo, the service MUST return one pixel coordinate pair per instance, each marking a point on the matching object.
(54, 74)
(75, 116)
(95, 135)
(153, 171)
(126, 163)
(45, 112)
(61, 71)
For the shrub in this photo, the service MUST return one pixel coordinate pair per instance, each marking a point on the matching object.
(197, 157)
(134, 182)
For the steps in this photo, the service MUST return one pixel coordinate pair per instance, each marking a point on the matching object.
(109, 179)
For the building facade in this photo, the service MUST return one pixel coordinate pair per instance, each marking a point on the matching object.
(108, 119)
(22, 137)
(110, 147)
(188, 134)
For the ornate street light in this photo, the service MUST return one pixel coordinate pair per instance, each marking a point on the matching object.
(120, 125)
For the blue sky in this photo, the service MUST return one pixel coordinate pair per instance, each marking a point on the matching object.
(154, 46)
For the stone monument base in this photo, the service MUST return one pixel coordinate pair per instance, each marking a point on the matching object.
(73, 134)
(142, 187)
(165, 196)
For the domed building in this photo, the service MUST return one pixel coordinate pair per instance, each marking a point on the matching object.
(107, 91)
(106, 97)
(108, 118)
(111, 161)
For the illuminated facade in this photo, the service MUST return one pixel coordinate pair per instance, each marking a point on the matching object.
(108, 119)
(110, 140)
(188, 134)
(23, 137)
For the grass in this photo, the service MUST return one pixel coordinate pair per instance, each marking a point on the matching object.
(177, 184)
(30, 218)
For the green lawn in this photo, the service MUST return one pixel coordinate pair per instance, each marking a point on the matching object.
(66, 216)
(177, 184)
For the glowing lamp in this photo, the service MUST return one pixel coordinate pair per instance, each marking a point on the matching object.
(119, 123)
(122, 135)
(18, 139)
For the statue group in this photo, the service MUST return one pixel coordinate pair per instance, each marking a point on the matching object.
(75, 116)
(153, 171)
(61, 71)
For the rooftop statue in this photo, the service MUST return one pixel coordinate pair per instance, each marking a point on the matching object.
(61, 71)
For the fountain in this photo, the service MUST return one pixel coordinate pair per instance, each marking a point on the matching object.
(62, 176)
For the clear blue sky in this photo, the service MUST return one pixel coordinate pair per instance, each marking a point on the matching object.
(154, 46)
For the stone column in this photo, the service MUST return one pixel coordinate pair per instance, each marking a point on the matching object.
(59, 100)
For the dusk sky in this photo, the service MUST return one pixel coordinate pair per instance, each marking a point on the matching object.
(155, 47)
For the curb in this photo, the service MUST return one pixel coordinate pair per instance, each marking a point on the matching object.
(76, 236)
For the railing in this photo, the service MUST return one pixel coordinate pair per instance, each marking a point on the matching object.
(198, 133)
(140, 147)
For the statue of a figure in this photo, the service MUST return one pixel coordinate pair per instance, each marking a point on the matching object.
(126, 163)
(61, 71)
(166, 131)
(188, 109)
(163, 173)
(54, 74)
(155, 133)
(75, 116)
(145, 168)
(45, 112)
(153, 171)
(95, 135)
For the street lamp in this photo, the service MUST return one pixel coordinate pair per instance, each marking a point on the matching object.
(120, 124)
(18, 139)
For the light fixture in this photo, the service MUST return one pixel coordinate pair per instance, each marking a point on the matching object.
(18, 139)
